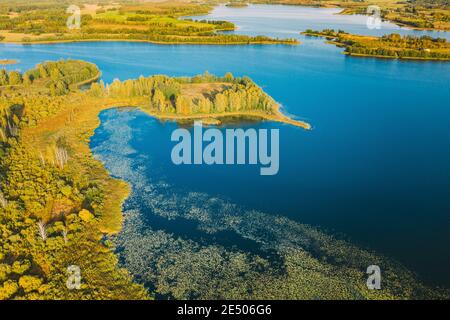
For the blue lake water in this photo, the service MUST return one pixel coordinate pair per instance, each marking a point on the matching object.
(376, 167)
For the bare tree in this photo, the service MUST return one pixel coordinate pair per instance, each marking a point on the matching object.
(2, 135)
(42, 230)
(13, 129)
(64, 234)
(3, 201)
(41, 158)
(61, 157)
(71, 116)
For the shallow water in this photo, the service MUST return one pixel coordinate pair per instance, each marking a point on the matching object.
(376, 167)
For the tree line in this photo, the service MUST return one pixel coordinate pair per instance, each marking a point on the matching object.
(166, 96)
(59, 77)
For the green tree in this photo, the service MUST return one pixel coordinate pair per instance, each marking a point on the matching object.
(220, 102)
(29, 283)
(183, 105)
(229, 77)
(43, 73)
(159, 101)
(8, 289)
(204, 105)
(15, 78)
(55, 74)
(3, 78)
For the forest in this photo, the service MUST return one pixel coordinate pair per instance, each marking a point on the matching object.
(392, 46)
(160, 22)
(51, 203)
(168, 95)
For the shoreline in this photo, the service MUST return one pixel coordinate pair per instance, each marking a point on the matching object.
(88, 81)
(361, 55)
(211, 119)
(156, 42)
(235, 43)
(276, 117)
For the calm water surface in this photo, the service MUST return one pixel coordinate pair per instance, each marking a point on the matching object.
(376, 167)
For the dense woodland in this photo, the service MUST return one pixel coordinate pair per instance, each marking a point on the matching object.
(390, 46)
(166, 94)
(50, 206)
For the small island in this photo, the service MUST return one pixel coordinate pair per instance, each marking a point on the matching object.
(236, 4)
(392, 46)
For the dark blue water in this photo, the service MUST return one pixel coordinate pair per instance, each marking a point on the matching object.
(376, 167)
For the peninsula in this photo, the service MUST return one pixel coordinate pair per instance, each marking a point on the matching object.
(53, 184)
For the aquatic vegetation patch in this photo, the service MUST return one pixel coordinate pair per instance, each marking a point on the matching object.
(270, 256)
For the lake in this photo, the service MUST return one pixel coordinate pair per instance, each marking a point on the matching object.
(375, 169)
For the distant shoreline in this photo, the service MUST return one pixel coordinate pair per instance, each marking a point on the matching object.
(68, 40)
(348, 41)
(361, 55)
(292, 43)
